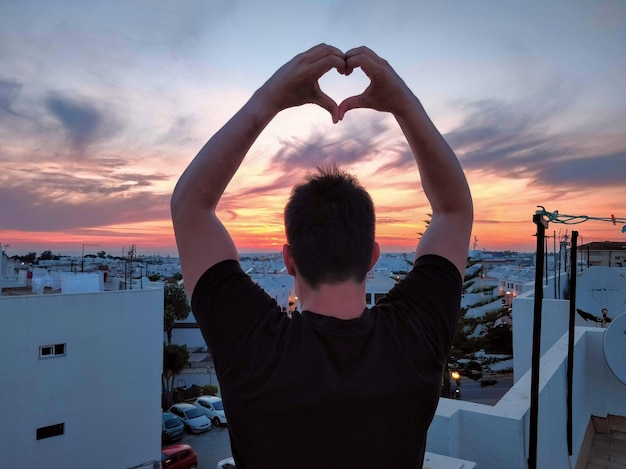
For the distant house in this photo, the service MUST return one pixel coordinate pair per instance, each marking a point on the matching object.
(602, 254)
(81, 377)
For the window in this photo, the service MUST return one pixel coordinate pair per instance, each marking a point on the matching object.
(50, 431)
(54, 350)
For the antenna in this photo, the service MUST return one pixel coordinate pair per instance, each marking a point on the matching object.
(615, 347)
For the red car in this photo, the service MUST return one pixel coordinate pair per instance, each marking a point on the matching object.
(179, 457)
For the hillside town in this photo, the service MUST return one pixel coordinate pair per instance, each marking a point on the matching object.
(90, 328)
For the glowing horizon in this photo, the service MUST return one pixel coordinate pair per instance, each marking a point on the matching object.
(100, 112)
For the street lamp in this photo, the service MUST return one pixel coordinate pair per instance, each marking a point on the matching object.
(456, 376)
(82, 262)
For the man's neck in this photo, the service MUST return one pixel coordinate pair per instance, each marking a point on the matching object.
(344, 300)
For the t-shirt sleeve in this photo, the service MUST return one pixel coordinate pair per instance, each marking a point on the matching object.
(427, 301)
(229, 308)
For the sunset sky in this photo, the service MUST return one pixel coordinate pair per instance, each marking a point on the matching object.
(103, 105)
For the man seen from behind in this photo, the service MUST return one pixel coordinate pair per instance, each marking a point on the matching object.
(338, 385)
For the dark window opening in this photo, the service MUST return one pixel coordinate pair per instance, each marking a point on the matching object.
(52, 350)
(50, 431)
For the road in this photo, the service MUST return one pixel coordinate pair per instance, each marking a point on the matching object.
(211, 446)
(490, 395)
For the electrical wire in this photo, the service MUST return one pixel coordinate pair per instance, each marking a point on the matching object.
(556, 217)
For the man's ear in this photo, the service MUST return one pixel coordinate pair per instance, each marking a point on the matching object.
(291, 267)
(375, 255)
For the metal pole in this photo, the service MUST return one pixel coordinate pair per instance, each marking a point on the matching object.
(554, 261)
(82, 261)
(545, 253)
(542, 224)
(570, 343)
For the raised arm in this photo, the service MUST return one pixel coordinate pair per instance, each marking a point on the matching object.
(443, 180)
(201, 238)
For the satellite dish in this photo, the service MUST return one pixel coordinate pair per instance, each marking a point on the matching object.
(615, 347)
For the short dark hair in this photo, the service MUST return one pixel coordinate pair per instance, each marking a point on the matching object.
(330, 227)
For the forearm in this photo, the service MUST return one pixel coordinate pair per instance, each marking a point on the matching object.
(202, 184)
(445, 187)
(202, 239)
(442, 177)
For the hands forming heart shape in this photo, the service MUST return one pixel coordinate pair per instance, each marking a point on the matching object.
(377, 84)
(341, 87)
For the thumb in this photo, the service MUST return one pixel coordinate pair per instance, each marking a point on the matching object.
(353, 102)
(324, 101)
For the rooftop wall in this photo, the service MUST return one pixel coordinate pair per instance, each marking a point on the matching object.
(498, 436)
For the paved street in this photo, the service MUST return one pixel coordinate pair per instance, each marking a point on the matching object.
(211, 446)
(489, 395)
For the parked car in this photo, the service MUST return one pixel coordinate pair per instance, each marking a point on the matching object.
(228, 463)
(193, 418)
(172, 428)
(213, 408)
(179, 457)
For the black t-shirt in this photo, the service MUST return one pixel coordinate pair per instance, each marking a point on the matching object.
(320, 392)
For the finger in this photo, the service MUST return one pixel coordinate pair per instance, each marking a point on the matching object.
(320, 51)
(325, 63)
(364, 58)
(326, 102)
(363, 61)
(362, 50)
(351, 62)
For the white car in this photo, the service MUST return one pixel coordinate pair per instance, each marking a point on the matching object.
(194, 420)
(228, 463)
(213, 408)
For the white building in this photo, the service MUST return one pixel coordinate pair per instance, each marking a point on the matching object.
(81, 378)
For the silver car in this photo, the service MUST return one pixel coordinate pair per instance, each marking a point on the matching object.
(193, 418)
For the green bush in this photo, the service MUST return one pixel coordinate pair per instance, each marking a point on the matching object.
(209, 390)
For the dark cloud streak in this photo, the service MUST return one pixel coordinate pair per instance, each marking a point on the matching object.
(28, 211)
(352, 146)
(9, 91)
(510, 141)
(83, 121)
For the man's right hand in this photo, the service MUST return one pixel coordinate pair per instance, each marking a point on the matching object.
(387, 92)
(441, 174)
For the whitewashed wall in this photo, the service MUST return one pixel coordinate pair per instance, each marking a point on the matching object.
(106, 389)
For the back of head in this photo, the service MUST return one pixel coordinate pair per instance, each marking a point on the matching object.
(330, 225)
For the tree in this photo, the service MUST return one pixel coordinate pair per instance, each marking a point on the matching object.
(175, 359)
(101, 254)
(176, 307)
(426, 224)
(46, 256)
(29, 258)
